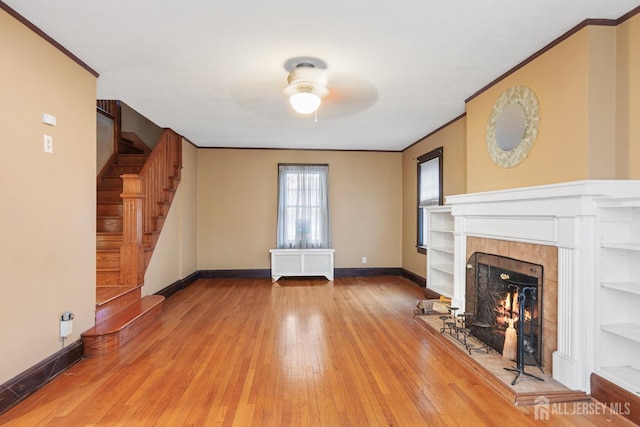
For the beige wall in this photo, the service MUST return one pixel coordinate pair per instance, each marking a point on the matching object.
(588, 88)
(628, 100)
(237, 197)
(104, 135)
(133, 121)
(47, 231)
(452, 138)
(560, 80)
(601, 119)
(174, 257)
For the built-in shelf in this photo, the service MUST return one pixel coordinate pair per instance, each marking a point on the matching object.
(446, 250)
(445, 268)
(629, 331)
(628, 287)
(619, 270)
(440, 252)
(626, 377)
(442, 230)
(621, 246)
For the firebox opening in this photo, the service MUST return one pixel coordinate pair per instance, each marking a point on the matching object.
(495, 285)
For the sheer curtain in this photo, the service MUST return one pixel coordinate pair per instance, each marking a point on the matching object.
(430, 182)
(303, 207)
(430, 189)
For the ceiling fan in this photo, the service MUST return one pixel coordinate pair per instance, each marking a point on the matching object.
(307, 84)
(309, 87)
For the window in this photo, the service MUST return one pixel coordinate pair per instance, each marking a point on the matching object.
(303, 207)
(429, 190)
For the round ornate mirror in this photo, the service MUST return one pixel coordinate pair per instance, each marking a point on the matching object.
(513, 126)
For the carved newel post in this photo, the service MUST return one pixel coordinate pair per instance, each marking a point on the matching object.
(132, 249)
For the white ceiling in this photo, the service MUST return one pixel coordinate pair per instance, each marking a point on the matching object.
(214, 72)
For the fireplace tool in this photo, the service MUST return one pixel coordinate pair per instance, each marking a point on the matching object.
(519, 369)
(456, 324)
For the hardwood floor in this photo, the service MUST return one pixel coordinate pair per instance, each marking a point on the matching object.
(299, 352)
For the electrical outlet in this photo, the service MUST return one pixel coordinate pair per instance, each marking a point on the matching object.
(364, 259)
(48, 144)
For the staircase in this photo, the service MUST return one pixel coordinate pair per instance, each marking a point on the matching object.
(134, 194)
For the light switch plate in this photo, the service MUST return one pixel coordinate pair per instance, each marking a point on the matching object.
(48, 119)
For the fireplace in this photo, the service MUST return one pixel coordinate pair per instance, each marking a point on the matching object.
(504, 298)
(561, 227)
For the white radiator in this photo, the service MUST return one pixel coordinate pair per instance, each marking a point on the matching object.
(301, 262)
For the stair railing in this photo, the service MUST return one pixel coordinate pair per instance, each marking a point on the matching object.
(144, 196)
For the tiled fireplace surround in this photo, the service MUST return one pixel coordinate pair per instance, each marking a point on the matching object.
(554, 226)
(547, 256)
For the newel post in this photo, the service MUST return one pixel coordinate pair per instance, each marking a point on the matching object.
(132, 249)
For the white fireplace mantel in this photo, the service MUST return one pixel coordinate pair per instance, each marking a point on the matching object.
(562, 215)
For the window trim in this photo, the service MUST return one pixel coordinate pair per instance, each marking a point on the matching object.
(433, 154)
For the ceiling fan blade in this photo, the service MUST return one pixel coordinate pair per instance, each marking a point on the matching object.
(348, 94)
(263, 98)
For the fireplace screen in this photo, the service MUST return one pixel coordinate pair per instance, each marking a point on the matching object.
(501, 293)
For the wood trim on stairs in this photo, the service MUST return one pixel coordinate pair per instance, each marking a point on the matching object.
(115, 331)
(18, 388)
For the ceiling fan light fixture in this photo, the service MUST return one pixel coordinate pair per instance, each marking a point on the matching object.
(305, 102)
(307, 87)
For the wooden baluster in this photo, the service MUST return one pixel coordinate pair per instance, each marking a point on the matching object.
(132, 250)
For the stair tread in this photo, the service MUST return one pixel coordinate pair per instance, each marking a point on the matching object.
(127, 316)
(105, 294)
